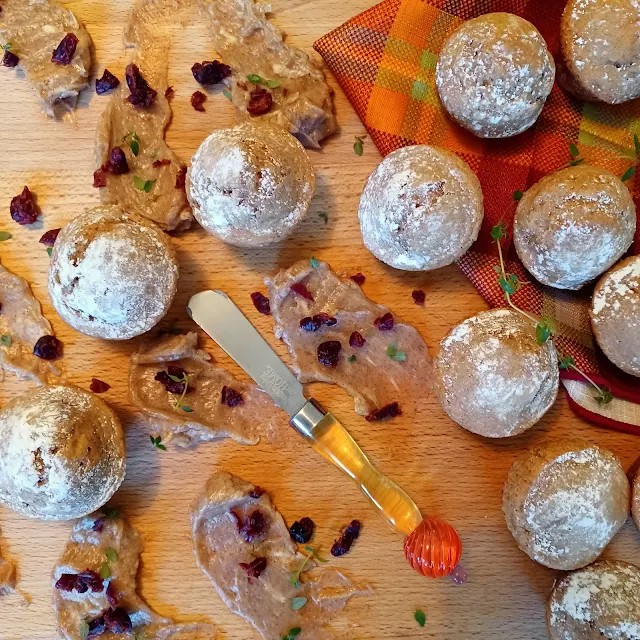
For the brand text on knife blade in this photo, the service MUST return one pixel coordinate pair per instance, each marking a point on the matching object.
(275, 384)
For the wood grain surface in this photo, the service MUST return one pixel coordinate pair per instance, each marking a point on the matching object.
(450, 472)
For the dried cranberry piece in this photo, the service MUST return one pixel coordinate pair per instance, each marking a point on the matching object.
(99, 178)
(310, 324)
(89, 580)
(98, 525)
(253, 526)
(197, 100)
(260, 102)
(97, 386)
(10, 59)
(168, 94)
(161, 163)
(48, 238)
(256, 492)
(254, 568)
(181, 178)
(66, 582)
(96, 628)
(385, 323)
(418, 296)
(117, 621)
(388, 411)
(111, 595)
(231, 397)
(261, 303)
(65, 51)
(302, 531)
(356, 340)
(142, 95)
(117, 163)
(344, 542)
(48, 348)
(177, 388)
(23, 207)
(329, 352)
(106, 83)
(358, 278)
(210, 72)
(301, 290)
(325, 318)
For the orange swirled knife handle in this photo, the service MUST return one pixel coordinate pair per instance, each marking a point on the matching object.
(433, 548)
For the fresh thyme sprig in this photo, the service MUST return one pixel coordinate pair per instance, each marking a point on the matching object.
(576, 158)
(184, 380)
(294, 578)
(545, 329)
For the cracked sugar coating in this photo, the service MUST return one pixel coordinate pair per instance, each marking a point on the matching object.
(599, 601)
(573, 225)
(615, 315)
(250, 185)
(421, 208)
(492, 377)
(62, 453)
(494, 75)
(564, 501)
(601, 48)
(113, 275)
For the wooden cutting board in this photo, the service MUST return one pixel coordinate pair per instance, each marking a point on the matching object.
(449, 472)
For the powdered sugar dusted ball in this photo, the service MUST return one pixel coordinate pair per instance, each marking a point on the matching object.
(421, 208)
(250, 185)
(564, 501)
(62, 453)
(491, 375)
(573, 225)
(601, 48)
(494, 75)
(113, 275)
(615, 315)
(597, 602)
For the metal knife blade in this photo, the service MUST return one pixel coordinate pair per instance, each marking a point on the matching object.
(218, 316)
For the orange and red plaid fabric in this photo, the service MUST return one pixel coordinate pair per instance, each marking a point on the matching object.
(385, 61)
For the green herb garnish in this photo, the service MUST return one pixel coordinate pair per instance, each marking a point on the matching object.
(6, 47)
(186, 409)
(576, 159)
(292, 633)
(143, 185)
(184, 379)
(105, 570)
(84, 630)
(49, 251)
(133, 141)
(5, 235)
(324, 217)
(358, 145)
(256, 79)
(298, 603)
(227, 94)
(294, 578)
(5, 340)
(157, 443)
(352, 358)
(112, 555)
(628, 174)
(420, 617)
(315, 554)
(544, 330)
(111, 513)
(517, 195)
(314, 262)
(394, 354)
(604, 396)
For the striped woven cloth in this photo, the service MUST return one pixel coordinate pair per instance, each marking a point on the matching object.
(385, 61)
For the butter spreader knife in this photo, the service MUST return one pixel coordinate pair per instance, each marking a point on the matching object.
(221, 319)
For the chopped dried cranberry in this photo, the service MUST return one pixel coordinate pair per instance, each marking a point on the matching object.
(89, 580)
(111, 595)
(344, 542)
(253, 526)
(98, 525)
(356, 340)
(231, 397)
(23, 208)
(301, 290)
(358, 278)
(97, 386)
(181, 178)
(65, 51)
(210, 72)
(329, 352)
(260, 102)
(168, 94)
(96, 628)
(256, 492)
(99, 178)
(66, 582)
(310, 324)
(177, 388)
(325, 318)
(106, 83)
(117, 163)
(302, 531)
(385, 323)
(48, 238)
(197, 100)
(388, 411)
(261, 303)
(418, 296)
(161, 163)
(117, 621)
(142, 95)
(10, 59)
(254, 568)
(48, 348)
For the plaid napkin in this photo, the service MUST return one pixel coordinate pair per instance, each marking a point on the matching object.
(385, 61)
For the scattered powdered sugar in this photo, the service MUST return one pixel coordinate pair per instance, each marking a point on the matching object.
(621, 283)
